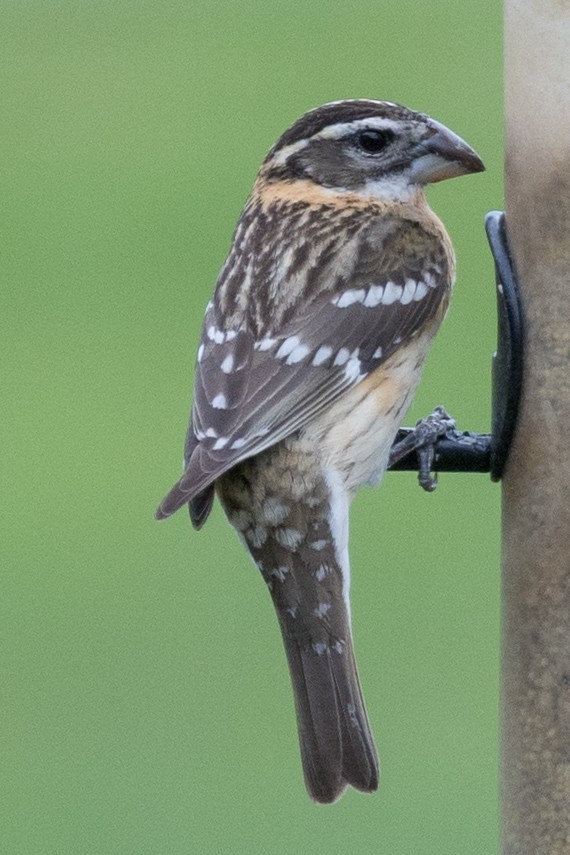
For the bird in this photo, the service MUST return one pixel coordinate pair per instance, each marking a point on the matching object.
(338, 277)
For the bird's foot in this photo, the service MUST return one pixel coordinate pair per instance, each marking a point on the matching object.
(422, 440)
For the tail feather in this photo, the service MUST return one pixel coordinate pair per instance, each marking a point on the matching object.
(337, 747)
(294, 522)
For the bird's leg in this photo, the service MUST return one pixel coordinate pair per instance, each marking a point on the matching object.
(422, 440)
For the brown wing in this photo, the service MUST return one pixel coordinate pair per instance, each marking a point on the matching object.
(252, 391)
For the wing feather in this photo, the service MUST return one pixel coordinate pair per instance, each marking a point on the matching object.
(254, 389)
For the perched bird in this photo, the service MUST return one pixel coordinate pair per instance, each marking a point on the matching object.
(312, 346)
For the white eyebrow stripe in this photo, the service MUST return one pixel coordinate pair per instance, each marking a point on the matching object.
(342, 129)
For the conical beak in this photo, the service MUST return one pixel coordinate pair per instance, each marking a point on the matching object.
(442, 155)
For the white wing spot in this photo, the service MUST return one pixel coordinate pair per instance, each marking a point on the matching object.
(322, 354)
(239, 442)
(264, 344)
(377, 353)
(392, 293)
(321, 610)
(227, 365)
(297, 354)
(352, 369)
(339, 646)
(211, 433)
(220, 443)
(342, 356)
(353, 295)
(374, 296)
(318, 545)
(408, 292)
(220, 402)
(200, 352)
(292, 611)
(287, 346)
(219, 336)
(421, 291)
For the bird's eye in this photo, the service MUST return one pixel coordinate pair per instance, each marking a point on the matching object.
(373, 142)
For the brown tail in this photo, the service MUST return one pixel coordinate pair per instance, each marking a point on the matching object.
(337, 747)
(300, 547)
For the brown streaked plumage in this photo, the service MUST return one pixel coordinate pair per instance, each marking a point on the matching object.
(312, 346)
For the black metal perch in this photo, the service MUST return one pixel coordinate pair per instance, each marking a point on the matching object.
(463, 451)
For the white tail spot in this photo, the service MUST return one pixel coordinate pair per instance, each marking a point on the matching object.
(322, 610)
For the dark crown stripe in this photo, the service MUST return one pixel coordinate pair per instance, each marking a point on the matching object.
(332, 114)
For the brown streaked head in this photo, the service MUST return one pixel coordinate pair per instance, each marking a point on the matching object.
(374, 148)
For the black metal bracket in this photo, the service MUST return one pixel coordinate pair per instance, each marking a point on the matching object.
(463, 451)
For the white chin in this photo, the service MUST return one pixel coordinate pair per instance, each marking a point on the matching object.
(393, 187)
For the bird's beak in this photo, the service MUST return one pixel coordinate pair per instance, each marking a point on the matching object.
(442, 154)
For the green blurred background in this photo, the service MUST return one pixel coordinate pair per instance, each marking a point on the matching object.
(146, 703)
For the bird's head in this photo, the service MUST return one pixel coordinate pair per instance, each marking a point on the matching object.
(372, 148)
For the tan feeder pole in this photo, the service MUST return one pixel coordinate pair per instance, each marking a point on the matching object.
(535, 753)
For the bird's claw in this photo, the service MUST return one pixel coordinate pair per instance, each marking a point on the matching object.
(422, 440)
